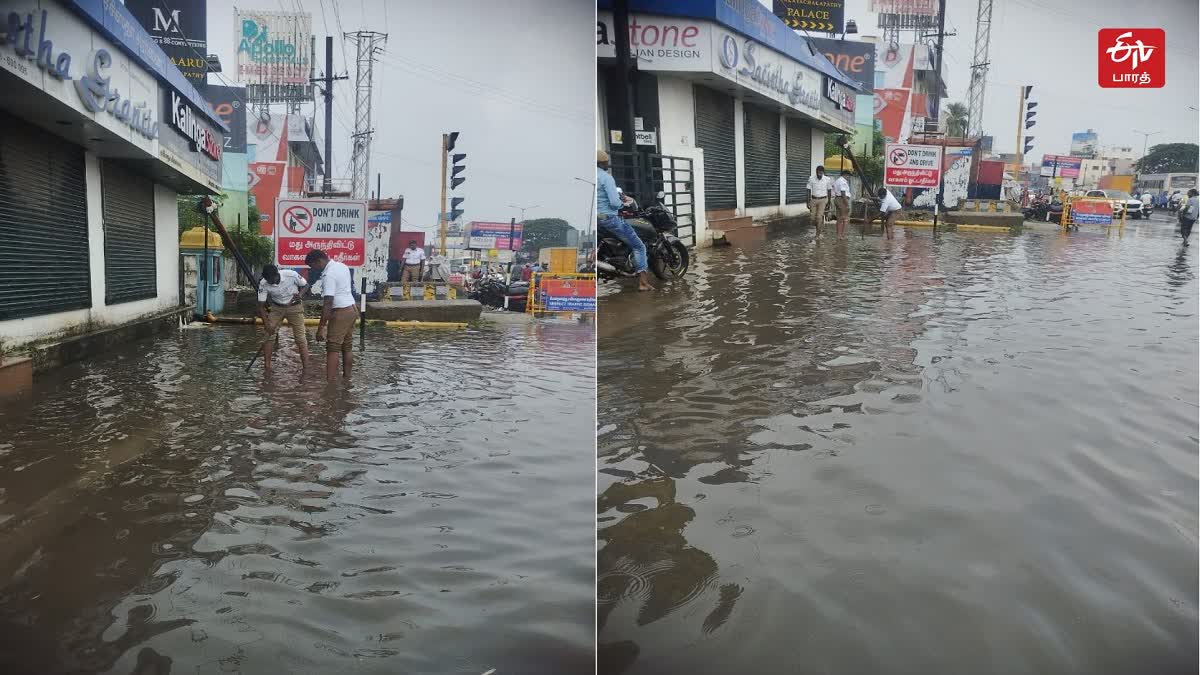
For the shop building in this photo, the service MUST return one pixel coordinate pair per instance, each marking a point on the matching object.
(731, 108)
(98, 134)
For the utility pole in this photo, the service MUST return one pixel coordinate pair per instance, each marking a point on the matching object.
(326, 84)
(624, 84)
(937, 108)
(368, 46)
(979, 68)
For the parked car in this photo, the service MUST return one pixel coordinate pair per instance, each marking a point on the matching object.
(1121, 202)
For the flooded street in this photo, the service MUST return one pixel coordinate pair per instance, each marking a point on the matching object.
(163, 512)
(961, 453)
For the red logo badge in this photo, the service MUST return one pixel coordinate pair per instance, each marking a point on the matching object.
(1132, 58)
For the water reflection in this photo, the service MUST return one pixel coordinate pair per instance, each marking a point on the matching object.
(912, 456)
(165, 511)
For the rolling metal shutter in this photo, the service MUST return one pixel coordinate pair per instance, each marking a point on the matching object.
(761, 140)
(799, 160)
(129, 260)
(43, 223)
(714, 134)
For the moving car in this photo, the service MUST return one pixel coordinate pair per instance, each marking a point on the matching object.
(1121, 202)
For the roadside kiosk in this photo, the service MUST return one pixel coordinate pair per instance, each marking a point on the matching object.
(201, 268)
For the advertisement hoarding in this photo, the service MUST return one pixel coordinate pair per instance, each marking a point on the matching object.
(1061, 166)
(273, 54)
(483, 236)
(855, 59)
(180, 29)
(659, 43)
(921, 7)
(915, 166)
(336, 226)
(1085, 144)
(569, 295)
(229, 104)
(816, 15)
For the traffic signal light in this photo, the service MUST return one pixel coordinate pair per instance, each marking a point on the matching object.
(455, 212)
(1028, 144)
(450, 139)
(456, 168)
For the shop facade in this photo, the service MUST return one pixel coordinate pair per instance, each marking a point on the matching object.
(98, 134)
(727, 101)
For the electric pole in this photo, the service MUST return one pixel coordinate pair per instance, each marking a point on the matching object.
(326, 84)
(368, 46)
(979, 68)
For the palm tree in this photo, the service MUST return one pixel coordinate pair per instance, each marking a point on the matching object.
(956, 120)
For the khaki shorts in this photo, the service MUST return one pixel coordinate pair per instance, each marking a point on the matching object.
(818, 209)
(412, 273)
(339, 334)
(295, 319)
(891, 218)
(842, 204)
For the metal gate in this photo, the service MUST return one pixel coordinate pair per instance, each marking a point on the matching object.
(715, 134)
(799, 160)
(761, 141)
(130, 271)
(644, 175)
(43, 223)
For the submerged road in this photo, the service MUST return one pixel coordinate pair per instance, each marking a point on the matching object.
(163, 512)
(961, 453)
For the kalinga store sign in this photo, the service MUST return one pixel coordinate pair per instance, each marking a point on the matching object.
(188, 122)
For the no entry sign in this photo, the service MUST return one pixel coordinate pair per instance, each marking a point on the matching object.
(912, 166)
(337, 227)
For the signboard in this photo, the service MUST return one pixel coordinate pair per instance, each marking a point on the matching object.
(335, 226)
(1061, 165)
(1092, 212)
(569, 295)
(1084, 144)
(229, 104)
(273, 54)
(768, 72)
(180, 28)
(916, 166)
(840, 94)
(921, 7)
(482, 236)
(659, 43)
(646, 138)
(855, 59)
(816, 15)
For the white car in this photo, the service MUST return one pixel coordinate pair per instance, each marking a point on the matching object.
(1121, 201)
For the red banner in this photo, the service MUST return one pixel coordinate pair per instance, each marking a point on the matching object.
(266, 184)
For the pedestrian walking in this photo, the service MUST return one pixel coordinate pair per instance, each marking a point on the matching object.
(414, 263)
(889, 211)
(338, 313)
(819, 186)
(280, 298)
(841, 202)
(1188, 214)
(608, 204)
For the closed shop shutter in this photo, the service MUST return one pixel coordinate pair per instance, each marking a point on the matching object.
(761, 138)
(714, 134)
(129, 267)
(43, 223)
(799, 160)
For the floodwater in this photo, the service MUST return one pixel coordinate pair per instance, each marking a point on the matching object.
(163, 512)
(961, 453)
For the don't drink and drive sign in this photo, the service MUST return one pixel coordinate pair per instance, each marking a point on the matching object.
(912, 166)
(337, 227)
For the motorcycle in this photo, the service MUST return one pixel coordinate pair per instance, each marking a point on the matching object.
(492, 290)
(655, 225)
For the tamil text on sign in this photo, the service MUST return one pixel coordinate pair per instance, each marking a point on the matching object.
(337, 227)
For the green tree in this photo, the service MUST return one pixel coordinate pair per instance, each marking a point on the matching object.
(956, 120)
(540, 233)
(1170, 158)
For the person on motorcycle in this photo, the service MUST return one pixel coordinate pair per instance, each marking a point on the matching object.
(608, 206)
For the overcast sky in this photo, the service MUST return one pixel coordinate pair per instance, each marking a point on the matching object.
(516, 78)
(1052, 44)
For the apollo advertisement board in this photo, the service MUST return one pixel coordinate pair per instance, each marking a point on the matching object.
(274, 54)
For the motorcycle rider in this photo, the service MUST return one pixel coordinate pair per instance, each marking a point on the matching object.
(608, 204)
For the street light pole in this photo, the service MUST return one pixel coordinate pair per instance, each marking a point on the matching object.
(1146, 139)
(523, 209)
(591, 205)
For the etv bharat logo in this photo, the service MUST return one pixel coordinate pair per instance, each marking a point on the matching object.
(1132, 58)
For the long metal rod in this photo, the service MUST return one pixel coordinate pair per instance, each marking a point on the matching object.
(442, 210)
(937, 107)
(1020, 128)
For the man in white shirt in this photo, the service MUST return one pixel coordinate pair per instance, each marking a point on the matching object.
(279, 298)
(889, 211)
(414, 263)
(841, 202)
(818, 198)
(338, 313)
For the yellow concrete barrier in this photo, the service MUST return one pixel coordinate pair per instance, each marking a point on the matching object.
(916, 223)
(982, 228)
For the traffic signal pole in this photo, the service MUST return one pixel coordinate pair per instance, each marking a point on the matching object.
(1020, 129)
(442, 203)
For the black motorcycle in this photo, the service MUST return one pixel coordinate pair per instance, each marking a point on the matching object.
(655, 226)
